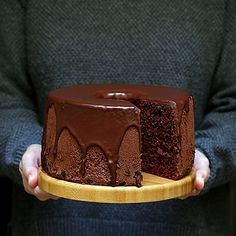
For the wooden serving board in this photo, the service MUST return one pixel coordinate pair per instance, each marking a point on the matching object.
(154, 188)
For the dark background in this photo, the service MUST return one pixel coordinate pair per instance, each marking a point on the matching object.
(5, 202)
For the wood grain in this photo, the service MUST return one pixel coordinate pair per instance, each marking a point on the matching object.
(154, 188)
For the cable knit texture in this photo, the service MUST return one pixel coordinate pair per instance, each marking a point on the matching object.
(190, 44)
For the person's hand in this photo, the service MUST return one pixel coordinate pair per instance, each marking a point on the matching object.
(28, 168)
(202, 169)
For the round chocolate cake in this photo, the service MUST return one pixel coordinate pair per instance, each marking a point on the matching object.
(108, 134)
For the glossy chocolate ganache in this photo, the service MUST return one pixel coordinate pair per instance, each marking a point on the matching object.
(107, 134)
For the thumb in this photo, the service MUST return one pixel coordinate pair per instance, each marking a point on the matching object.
(33, 177)
(201, 177)
(201, 166)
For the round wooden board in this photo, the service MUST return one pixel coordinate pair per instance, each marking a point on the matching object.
(154, 188)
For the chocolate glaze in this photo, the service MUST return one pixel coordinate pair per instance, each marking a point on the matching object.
(101, 114)
(99, 125)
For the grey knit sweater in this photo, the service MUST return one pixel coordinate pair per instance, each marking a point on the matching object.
(190, 44)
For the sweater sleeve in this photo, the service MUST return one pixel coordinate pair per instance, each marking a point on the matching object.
(19, 125)
(217, 134)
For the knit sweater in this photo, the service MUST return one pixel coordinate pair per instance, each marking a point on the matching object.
(189, 44)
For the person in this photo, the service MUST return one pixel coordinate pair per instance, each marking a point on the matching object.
(49, 44)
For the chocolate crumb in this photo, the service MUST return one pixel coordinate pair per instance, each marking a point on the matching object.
(138, 177)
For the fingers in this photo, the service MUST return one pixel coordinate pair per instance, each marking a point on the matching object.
(28, 167)
(43, 196)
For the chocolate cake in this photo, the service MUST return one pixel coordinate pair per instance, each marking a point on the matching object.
(108, 134)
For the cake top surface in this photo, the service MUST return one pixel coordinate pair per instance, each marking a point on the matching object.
(115, 95)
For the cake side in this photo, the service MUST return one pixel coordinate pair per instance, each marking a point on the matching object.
(186, 133)
(86, 145)
(65, 162)
(129, 164)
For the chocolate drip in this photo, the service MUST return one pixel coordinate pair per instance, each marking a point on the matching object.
(102, 126)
